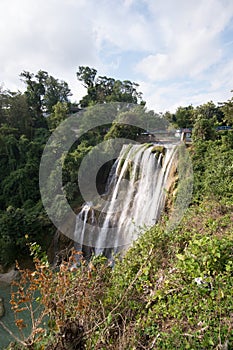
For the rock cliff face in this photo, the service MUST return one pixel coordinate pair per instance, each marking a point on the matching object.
(172, 182)
(9, 276)
(151, 188)
(2, 308)
(136, 193)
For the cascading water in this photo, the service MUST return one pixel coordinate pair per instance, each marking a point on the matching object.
(135, 197)
(87, 213)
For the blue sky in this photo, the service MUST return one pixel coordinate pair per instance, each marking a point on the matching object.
(179, 51)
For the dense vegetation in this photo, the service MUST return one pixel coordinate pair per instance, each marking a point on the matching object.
(26, 122)
(172, 290)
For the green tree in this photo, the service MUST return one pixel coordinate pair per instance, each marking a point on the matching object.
(227, 109)
(209, 111)
(16, 223)
(14, 111)
(87, 76)
(43, 92)
(102, 89)
(60, 112)
(3, 105)
(20, 208)
(203, 129)
(35, 92)
(9, 153)
(126, 123)
(18, 114)
(55, 91)
(183, 117)
(170, 117)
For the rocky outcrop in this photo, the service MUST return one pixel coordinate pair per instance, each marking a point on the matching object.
(2, 308)
(9, 276)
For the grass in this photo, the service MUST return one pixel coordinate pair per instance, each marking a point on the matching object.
(156, 300)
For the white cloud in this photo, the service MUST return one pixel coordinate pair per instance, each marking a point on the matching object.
(128, 3)
(193, 65)
(122, 27)
(174, 94)
(164, 98)
(51, 35)
(178, 43)
(223, 76)
(191, 33)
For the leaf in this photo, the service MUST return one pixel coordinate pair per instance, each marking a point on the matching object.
(221, 294)
(180, 257)
(109, 319)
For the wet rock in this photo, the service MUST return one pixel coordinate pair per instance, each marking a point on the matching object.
(2, 308)
(9, 276)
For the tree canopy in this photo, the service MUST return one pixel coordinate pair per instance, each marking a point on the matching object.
(44, 91)
(102, 89)
(28, 118)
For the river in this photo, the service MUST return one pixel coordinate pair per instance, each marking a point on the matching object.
(8, 318)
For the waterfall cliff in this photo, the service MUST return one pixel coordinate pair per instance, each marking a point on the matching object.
(135, 196)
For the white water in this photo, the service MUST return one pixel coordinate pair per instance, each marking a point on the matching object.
(136, 191)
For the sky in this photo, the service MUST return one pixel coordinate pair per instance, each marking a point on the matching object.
(179, 51)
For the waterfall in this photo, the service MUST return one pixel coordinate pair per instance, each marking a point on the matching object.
(135, 196)
(87, 213)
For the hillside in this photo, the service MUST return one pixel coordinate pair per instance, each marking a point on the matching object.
(171, 290)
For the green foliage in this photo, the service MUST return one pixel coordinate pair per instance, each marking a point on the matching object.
(102, 89)
(207, 114)
(21, 146)
(183, 117)
(20, 165)
(87, 76)
(55, 91)
(172, 289)
(119, 130)
(212, 163)
(227, 109)
(121, 122)
(127, 120)
(20, 225)
(60, 111)
(43, 92)
(15, 112)
(203, 129)
(209, 111)
(60, 301)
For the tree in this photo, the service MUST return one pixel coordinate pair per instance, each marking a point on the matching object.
(203, 129)
(209, 111)
(55, 91)
(20, 208)
(17, 113)
(170, 117)
(60, 112)
(3, 105)
(183, 117)
(35, 91)
(87, 76)
(102, 89)
(43, 92)
(123, 127)
(227, 109)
